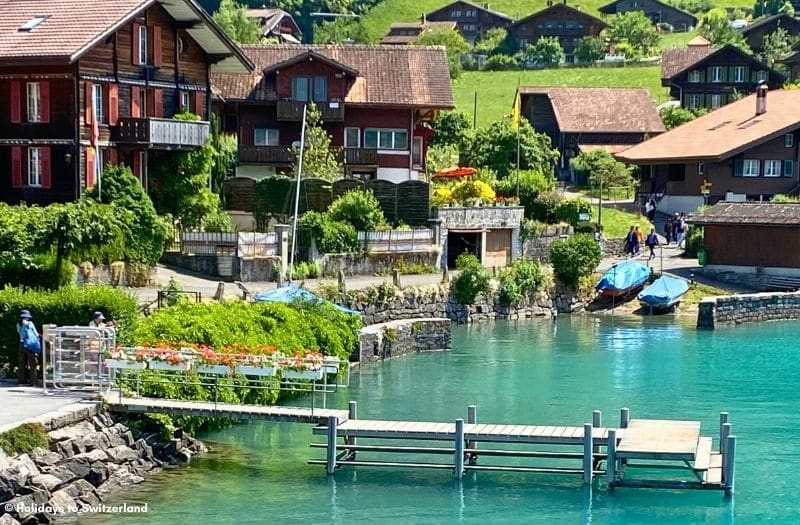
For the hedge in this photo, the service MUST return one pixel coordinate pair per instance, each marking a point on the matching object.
(67, 306)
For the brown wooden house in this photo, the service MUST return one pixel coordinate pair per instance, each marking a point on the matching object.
(657, 11)
(566, 23)
(754, 33)
(473, 20)
(96, 82)
(792, 61)
(705, 77)
(746, 150)
(376, 103)
(277, 23)
(401, 33)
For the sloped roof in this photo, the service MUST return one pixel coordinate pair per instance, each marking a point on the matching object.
(601, 110)
(476, 6)
(73, 27)
(699, 41)
(558, 7)
(764, 213)
(723, 133)
(397, 31)
(780, 20)
(674, 61)
(270, 18)
(417, 76)
(611, 8)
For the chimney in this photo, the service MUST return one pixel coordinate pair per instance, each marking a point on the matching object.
(761, 98)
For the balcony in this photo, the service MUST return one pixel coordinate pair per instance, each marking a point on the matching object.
(278, 155)
(291, 110)
(162, 132)
(359, 157)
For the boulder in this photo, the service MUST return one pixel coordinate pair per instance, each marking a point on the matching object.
(144, 450)
(62, 502)
(44, 457)
(90, 498)
(122, 454)
(64, 449)
(63, 473)
(77, 430)
(80, 467)
(78, 488)
(98, 474)
(114, 439)
(93, 456)
(6, 519)
(25, 461)
(46, 481)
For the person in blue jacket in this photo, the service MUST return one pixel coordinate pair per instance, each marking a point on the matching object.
(29, 349)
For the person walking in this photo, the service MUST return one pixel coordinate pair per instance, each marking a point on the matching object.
(30, 347)
(668, 230)
(652, 242)
(639, 239)
(98, 320)
(629, 237)
(651, 214)
(680, 230)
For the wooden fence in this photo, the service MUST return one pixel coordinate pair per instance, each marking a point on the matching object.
(395, 241)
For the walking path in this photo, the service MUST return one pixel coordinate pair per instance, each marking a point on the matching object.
(21, 404)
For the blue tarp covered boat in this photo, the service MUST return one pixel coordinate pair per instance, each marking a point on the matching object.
(665, 292)
(623, 278)
(290, 292)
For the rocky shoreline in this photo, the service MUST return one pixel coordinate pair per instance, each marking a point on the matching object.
(86, 461)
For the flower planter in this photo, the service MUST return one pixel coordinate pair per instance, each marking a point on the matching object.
(311, 375)
(331, 366)
(261, 371)
(168, 367)
(220, 370)
(124, 364)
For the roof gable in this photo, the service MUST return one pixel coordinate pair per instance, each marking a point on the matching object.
(451, 6)
(307, 56)
(559, 8)
(271, 18)
(674, 64)
(610, 8)
(780, 20)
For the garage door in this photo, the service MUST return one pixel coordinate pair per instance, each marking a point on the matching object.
(498, 248)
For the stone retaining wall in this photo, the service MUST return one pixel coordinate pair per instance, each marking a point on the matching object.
(374, 263)
(115, 274)
(89, 456)
(385, 340)
(748, 308)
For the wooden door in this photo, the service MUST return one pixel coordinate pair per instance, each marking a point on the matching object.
(498, 248)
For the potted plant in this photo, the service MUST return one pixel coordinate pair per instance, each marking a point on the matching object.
(118, 359)
(331, 364)
(308, 367)
(257, 365)
(214, 363)
(169, 360)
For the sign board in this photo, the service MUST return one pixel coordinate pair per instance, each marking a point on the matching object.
(583, 216)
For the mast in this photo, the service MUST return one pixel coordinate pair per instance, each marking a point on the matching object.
(297, 192)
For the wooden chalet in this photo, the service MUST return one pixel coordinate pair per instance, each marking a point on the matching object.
(96, 82)
(754, 33)
(277, 23)
(658, 12)
(472, 20)
(566, 23)
(402, 33)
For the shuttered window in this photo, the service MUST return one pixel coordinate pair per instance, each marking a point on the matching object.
(34, 167)
(34, 102)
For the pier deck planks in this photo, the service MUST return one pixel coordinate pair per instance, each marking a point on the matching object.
(660, 439)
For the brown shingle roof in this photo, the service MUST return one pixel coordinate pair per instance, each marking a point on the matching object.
(724, 132)
(673, 61)
(387, 75)
(397, 33)
(601, 110)
(774, 213)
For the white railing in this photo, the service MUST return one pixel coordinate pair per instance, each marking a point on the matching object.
(396, 240)
(178, 132)
(252, 244)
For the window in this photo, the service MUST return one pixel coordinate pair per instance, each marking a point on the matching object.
(788, 168)
(701, 168)
(34, 167)
(34, 103)
(716, 101)
(186, 100)
(788, 140)
(523, 43)
(693, 101)
(750, 168)
(320, 89)
(416, 151)
(352, 138)
(265, 137)
(386, 139)
(142, 45)
(300, 89)
(761, 76)
(97, 101)
(32, 23)
(716, 74)
(694, 76)
(470, 28)
(143, 103)
(738, 74)
(773, 168)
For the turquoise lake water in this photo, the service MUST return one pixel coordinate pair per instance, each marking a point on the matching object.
(530, 373)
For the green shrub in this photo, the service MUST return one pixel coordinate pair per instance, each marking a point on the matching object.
(574, 257)
(473, 279)
(522, 278)
(306, 270)
(501, 63)
(530, 229)
(694, 241)
(543, 208)
(359, 208)
(68, 306)
(530, 183)
(330, 236)
(569, 210)
(468, 192)
(23, 439)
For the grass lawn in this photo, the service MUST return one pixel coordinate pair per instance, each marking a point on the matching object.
(698, 291)
(496, 89)
(677, 40)
(616, 222)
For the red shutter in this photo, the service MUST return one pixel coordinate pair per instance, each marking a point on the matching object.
(16, 103)
(88, 111)
(156, 32)
(135, 45)
(135, 167)
(135, 102)
(113, 104)
(113, 156)
(44, 100)
(44, 158)
(158, 103)
(200, 103)
(90, 171)
(16, 166)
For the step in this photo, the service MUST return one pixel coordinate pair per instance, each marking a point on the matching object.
(702, 460)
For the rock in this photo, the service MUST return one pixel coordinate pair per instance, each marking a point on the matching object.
(184, 455)
(64, 449)
(25, 461)
(43, 457)
(71, 432)
(128, 437)
(63, 473)
(78, 488)
(90, 498)
(98, 474)
(93, 456)
(46, 481)
(6, 519)
(79, 467)
(114, 439)
(61, 502)
(122, 454)
(96, 440)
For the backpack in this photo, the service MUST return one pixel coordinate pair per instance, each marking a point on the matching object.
(30, 340)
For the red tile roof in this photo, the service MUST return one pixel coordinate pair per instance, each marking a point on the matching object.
(601, 110)
(724, 132)
(387, 75)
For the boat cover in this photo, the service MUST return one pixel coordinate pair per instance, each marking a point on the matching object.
(290, 293)
(664, 291)
(626, 275)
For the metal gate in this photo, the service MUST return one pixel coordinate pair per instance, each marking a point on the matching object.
(73, 356)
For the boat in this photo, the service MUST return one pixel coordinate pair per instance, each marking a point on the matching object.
(664, 293)
(623, 279)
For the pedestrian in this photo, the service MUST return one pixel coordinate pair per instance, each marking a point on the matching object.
(680, 230)
(30, 347)
(639, 239)
(668, 230)
(632, 242)
(651, 214)
(98, 320)
(652, 242)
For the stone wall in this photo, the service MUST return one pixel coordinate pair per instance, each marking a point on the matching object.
(229, 268)
(479, 218)
(748, 308)
(90, 455)
(374, 263)
(539, 248)
(115, 274)
(385, 340)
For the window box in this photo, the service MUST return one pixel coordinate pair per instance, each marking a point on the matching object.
(260, 371)
(169, 367)
(219, 370)
(310, 375)
(125, 364)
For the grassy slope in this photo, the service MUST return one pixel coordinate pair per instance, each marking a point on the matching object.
(616, 222)
(496, 88)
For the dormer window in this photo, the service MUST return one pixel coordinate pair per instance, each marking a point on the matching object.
(32, 23)
(306, 89)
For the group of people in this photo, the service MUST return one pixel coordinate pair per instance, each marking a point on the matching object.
(636, 239)
(30, 346)
(675, 229)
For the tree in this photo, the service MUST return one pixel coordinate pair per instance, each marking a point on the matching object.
(635, 28)
(360, 208)
(600, 165)
(453, 42)
(545, 52)
(451, 128)
(491, 42)
(574, 257)
(674, 117)
(232, 18)
(589, 49)
(495, 147)
(716, 28)
(319, 157)
(339, 31)
(787, 8)
(777, 45)
(768, 7)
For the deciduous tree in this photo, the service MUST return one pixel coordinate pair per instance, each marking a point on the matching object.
(319, 157)
(636, 29)
(452, 41)
(232, 18)
(716, 27)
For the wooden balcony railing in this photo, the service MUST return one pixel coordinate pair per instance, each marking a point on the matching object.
(359, 157)
(291, 110)
(162, 132)
(266, 154)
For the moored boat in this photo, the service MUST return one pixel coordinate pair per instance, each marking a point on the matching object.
(664, 293)
(623, 279)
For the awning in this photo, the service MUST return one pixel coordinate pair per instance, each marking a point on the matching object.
(467, 230)
(611, 148)
(455, 172)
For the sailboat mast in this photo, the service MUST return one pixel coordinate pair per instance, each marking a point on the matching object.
(297, 192)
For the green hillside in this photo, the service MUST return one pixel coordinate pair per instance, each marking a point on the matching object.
(496, 89)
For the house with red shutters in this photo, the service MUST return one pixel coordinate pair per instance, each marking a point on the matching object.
(376, 103)
(85, 84)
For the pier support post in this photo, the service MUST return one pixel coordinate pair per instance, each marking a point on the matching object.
(724, 432)
(723, 418)
(729, 465)
(472, 419)
(611, 461)
(352, 413)
(597, 422)
(458, 456)
(624, 417)
(588, 456)
(333, 423)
